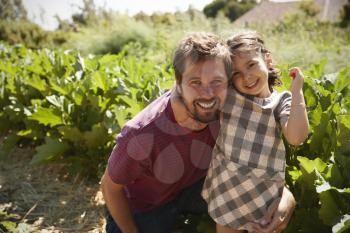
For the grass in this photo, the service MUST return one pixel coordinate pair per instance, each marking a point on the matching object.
(44, 199)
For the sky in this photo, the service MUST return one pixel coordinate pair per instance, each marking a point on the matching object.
(42, 12)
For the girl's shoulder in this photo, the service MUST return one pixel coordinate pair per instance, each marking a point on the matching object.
(275, 99)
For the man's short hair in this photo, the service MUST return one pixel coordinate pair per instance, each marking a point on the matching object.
(198, 47)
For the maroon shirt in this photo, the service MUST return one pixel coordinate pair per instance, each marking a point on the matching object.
(155, 158)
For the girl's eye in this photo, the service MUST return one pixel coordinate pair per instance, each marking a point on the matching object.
(235, 74)
(251, 64)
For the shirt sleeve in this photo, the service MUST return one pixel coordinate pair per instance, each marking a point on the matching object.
(282, 110)
(123, 166)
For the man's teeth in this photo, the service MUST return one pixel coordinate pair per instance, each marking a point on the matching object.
(206, 105)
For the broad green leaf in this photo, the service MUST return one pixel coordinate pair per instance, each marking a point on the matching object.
(37, 83)
(344, 162)
(333, 175)
(8, 144)
(103, 103)
(323, 187)
(47, 116)
(320, 134)
(315, 116)
(77, 98)
(311, 165)
(98, 136)
(345, 120)
(121, 116)
(71, 133)
(56, 85)
(294, 174)
(80, 64)
(24, 133)
(108, 60)
(56, 100)
(100, 80)
(36, 67)
(342, 81)
(310, 97)
(34, 131)
(11, 85)
(134, 105)
(317, 70)
(343, 135)
(329, 211)
(49, 151)
(343, 225)
(8, 225)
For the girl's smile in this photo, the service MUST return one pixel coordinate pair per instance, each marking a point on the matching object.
(250, 74)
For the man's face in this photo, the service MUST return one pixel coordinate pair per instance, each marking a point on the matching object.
(203, 89)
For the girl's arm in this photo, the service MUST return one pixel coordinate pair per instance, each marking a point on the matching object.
(296, 129)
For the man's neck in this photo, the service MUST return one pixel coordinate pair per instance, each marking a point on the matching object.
(181, 114)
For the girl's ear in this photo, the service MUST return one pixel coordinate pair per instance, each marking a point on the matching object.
(268, 60)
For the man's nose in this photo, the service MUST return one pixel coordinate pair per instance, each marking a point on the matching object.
(207, 91)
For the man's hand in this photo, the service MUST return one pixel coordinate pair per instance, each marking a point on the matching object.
(279, 213)
(117, 204)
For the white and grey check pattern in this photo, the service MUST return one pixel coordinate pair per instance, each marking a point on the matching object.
(246, 173)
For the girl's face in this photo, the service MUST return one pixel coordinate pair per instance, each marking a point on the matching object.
(250, 73)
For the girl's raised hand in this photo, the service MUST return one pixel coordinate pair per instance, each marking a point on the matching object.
(298, 79)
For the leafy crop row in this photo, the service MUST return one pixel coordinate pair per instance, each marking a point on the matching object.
(69, 107)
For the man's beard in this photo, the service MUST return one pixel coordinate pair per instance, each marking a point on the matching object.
(204, 117)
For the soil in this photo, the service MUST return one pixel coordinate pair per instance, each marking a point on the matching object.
(46, 199)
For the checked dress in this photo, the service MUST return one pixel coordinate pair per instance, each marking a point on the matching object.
(246, 173)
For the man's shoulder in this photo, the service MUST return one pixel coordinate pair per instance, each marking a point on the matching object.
(149, 114)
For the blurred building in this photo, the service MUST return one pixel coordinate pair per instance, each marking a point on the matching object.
(271, 11)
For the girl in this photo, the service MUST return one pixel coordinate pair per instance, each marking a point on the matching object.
(246, 174)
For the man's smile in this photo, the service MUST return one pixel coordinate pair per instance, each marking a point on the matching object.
(206, 105)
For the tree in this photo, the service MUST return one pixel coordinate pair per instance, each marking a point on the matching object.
(12, 10)
(232, 9)
(213, 8)
(345, 15)
(310, 8)
(88, 14)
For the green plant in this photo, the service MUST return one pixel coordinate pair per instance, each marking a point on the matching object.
(69, 107)
(317, 172)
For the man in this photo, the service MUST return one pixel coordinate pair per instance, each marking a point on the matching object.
(156, 169)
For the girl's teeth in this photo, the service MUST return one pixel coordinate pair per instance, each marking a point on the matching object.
(251, 85)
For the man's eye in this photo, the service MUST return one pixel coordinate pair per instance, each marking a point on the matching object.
(195, 83)
(217, 83)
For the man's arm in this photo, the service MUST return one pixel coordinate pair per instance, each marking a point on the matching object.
(280, 213)
(117, 204)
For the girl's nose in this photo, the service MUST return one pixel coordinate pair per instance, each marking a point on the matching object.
(247, 76)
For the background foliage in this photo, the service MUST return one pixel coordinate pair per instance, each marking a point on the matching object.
(70, 104)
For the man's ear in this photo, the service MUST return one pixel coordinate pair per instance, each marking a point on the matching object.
(178, 86)
(268, 60)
